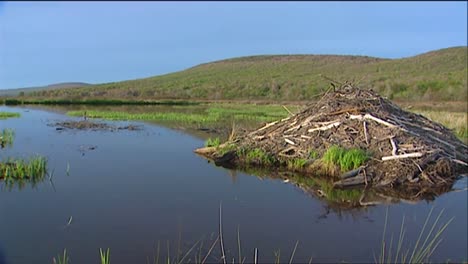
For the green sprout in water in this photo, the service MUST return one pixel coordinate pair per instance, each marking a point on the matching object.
(6, 137)
(34, 169)
(5, 115)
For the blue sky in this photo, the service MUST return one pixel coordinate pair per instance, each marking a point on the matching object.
(50, 42)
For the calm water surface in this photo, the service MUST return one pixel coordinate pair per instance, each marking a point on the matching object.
(140, 187)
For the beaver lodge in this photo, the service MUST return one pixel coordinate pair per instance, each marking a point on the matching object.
(355, 137)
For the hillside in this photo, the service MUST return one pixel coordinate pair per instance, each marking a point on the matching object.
(15, 92)
(436, 75)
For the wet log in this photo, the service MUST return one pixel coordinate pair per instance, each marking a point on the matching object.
(358, 180)
(352, 173)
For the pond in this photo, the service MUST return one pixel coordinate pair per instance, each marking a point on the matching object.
(130, 190)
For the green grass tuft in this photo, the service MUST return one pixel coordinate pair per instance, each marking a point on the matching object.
(296, 163)
(18, 169)
(213, 142)
(5, 115)
(6, 137)
(256, 156)
(346, 159)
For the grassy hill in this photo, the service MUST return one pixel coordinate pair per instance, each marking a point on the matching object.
(437, 75)
(18, 91)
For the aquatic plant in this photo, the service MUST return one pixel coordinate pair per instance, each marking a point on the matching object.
(62, 258)
(423, 248)
(19, 169)
(5, 115)
(346, 159)
(105, 256)
(214, 113)
(6, 137)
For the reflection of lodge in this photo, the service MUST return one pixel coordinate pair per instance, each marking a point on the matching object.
(346, 199)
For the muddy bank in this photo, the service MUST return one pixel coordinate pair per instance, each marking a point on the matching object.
(355, 137)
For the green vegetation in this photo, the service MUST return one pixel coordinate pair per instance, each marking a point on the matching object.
(313, 154)
(213, 142)
(256, 156)
(105, 256)
(296, 163)
(421, 251)
(227, 148)
(346, 159)
(456, 121)
(62, 259)
(6, 137)
(18, 169)
(104, 101)
(437, 75)
(214, 113)
(5, 115)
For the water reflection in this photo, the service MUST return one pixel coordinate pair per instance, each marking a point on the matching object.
(140, 187)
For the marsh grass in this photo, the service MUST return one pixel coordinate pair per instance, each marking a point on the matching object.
(456, 121)
(296, 163)
(213, 113)
(213, 142)
(61, 258)
(105, 256)
(5, 115)
(6, 137)
(422, 250)
(346, 159)
(256, 156)
(18, 169)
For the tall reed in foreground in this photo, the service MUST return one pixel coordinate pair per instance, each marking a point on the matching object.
(421, 251)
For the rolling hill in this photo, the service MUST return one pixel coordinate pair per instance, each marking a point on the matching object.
(18, 91)
(436, 75)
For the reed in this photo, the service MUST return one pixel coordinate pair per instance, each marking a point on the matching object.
(419, 252)
(6, 137)
(5, 115)
(20, 169)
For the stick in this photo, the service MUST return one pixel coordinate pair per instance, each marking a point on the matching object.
(324, 127)
(289, 141)
(264, 127)
(352, 173)
(291, 113)
(460, 162)
(394, 147)
(306, 137)
(371, 117)
(365, 132)
(403, 156)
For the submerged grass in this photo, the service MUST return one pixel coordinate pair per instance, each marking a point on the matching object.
(19, 169)
(5, 115)
(346, 159)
